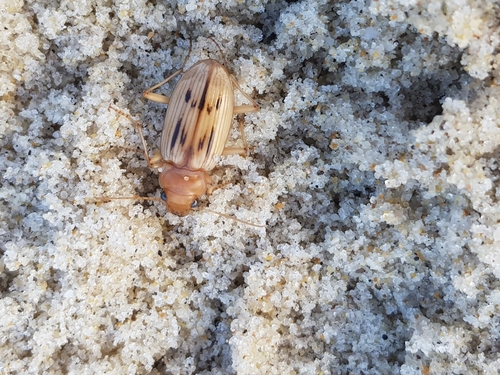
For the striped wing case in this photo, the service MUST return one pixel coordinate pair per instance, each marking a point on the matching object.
(198, 117)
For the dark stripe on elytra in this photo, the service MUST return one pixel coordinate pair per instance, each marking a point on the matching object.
(188, 96)
(176, 133)
(204, 94)
(219, 100)
(183, 136)
(201, 143)
(210, 141)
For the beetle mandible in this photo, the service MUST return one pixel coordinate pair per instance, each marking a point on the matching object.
(195, 131)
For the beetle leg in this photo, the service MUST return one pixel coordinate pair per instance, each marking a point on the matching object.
(156, 160)
(139, 129)
(254, 107)
(212, 188)
(158, 98)
(238, 150)
(245, 108)
(234, 150)
(162, 98)
(241, 123)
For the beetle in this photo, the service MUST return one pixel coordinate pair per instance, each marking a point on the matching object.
(195, 131)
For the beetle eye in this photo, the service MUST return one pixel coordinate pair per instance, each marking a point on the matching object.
(163, 196)
(194, 204)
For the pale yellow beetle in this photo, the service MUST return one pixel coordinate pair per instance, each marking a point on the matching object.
(195, 131)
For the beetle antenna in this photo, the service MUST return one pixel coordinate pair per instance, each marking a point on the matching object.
(220, 50)
(132, 198)
(139, 198)
(189, 53)
(235, 219)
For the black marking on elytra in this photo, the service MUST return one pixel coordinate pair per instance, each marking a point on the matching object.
(183, 136)
(209, 109)
(188, 96)
(210, 141)
(204, 95)
(201, 143)
(193, 104)
(219, 101)
(176, 133)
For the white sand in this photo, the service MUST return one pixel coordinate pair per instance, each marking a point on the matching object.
(374, 165)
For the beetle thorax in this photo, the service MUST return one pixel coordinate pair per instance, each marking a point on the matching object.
(182, 187)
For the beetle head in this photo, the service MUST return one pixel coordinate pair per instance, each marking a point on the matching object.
(182, 187)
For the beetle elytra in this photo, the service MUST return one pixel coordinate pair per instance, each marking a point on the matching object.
(196, 127)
